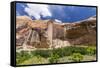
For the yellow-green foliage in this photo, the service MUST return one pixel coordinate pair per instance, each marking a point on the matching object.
(77, 57)
(53, 56)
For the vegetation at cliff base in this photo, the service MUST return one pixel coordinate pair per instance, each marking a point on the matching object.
(59, 55)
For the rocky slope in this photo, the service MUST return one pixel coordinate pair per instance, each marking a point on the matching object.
(82, 32)
(34, 32)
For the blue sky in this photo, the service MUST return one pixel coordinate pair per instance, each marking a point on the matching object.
(58, 13)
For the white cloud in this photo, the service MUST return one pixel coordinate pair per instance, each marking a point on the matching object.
(58, 20)
(37, 10)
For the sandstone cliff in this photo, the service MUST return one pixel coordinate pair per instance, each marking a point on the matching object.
(35, 32)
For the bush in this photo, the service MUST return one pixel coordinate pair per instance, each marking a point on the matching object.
(81, 50)
(39, 58)
(77, 57)
(54, 58)
(91, 51)
(42, 53)
(22, 56)
(55, 54)
(67, 51)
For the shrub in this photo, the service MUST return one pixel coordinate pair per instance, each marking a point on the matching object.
(67, 51)
(91, 51)
(39, 58)
(53, 55)
(22, 56)
(81, 50)
(58, 52)
(54, 58)
(77, 57)
(42, 53)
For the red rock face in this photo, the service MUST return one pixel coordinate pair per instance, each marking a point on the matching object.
(81, 32)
